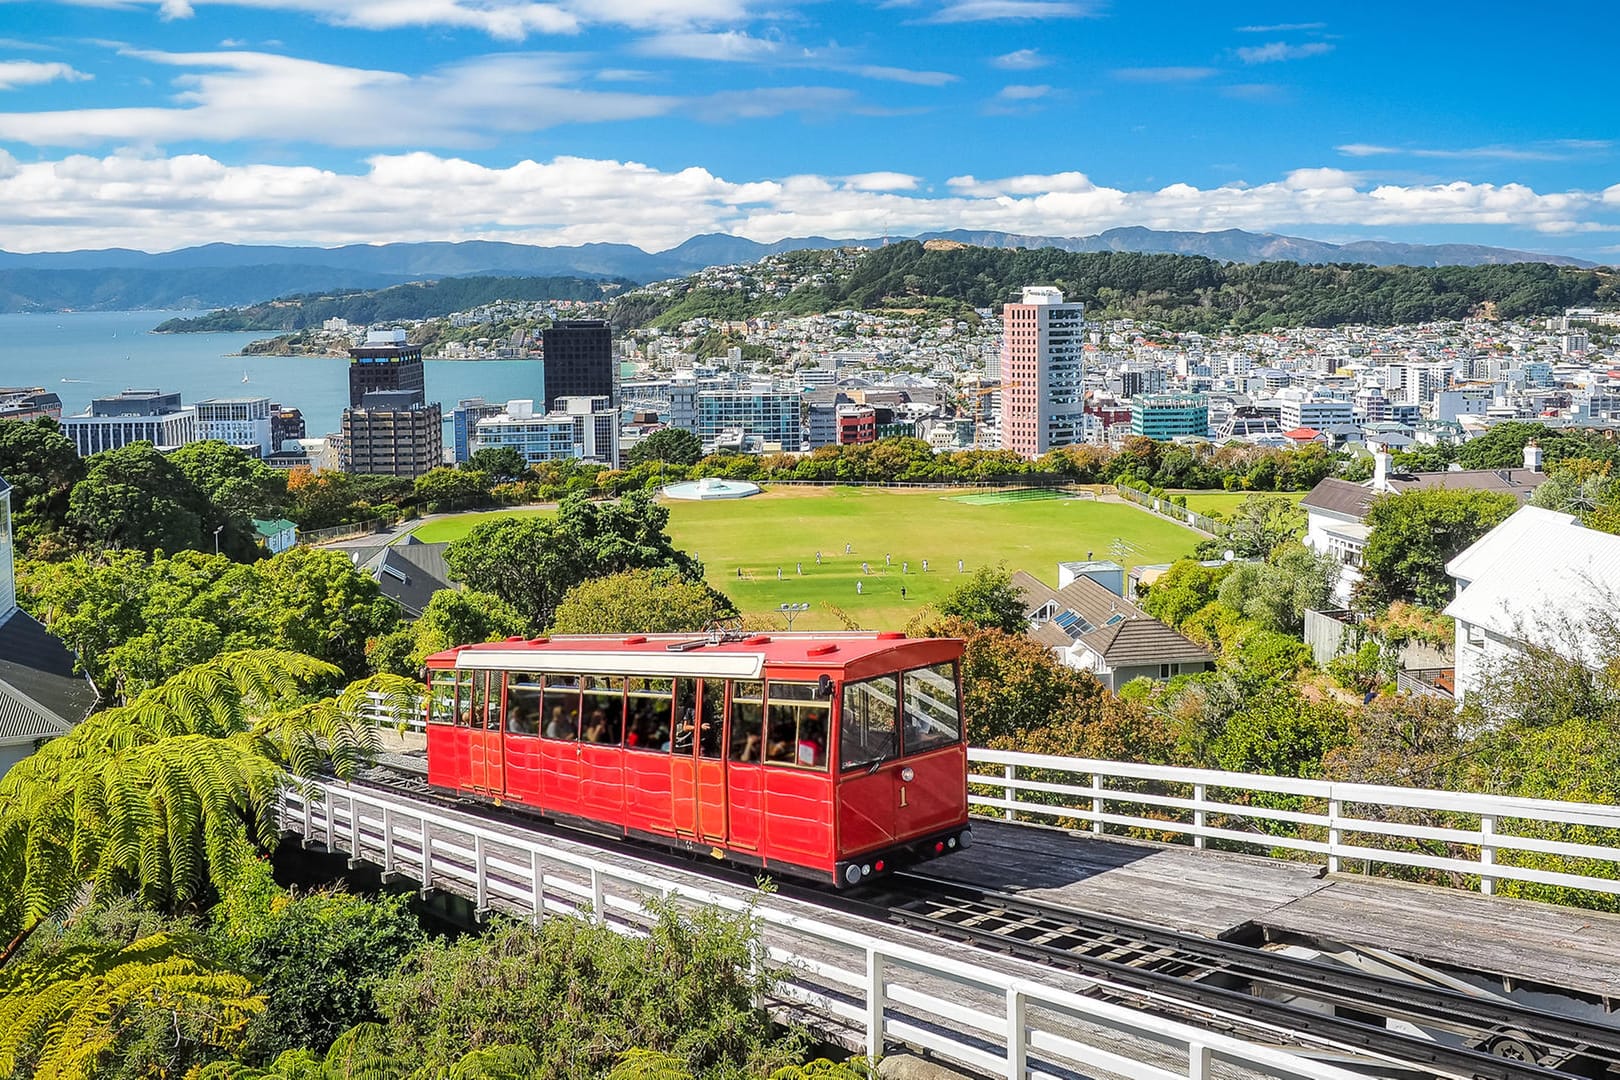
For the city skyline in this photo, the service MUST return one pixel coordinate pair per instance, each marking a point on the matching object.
(156, 124)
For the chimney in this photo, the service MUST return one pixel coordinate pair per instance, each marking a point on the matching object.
(1381, 470)
(1532, 456)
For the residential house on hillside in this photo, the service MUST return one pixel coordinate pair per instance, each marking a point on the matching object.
(1536, 579)
(1336, 510)
(41, 695)
(1089, 626)
(409, 573)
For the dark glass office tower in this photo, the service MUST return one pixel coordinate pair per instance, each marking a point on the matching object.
(579, 361)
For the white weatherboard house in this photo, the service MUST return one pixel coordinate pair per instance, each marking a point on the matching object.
(1534, 579)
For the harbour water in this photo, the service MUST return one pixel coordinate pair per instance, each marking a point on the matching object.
(88, 354)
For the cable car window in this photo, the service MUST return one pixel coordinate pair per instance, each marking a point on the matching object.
(442, 701)
(478, 699)
(747, 721)
(933, 711)
(561, 707)
(523, 703)
(604, 709)
(464, 697)
(796, 725)
(866, 733)
(493, 681)
(712, 718)
(647, 712)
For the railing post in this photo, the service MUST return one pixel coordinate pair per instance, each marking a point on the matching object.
(354, 830)
(427, 857)
(1198, 1061)
(1334, 836)
(480, 875)
(388, 840)
(309, 817)
(1198, 815)
(331, 823)
(537, 877)
(1487, 854)
(598, 903)
(1017, 1035)
(1010, 792)
(1096, 804)
(875, 1003)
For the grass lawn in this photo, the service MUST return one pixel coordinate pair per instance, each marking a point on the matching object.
(454, 528)
(785, 528)
(1224, 502)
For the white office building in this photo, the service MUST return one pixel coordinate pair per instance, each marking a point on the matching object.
(133, 416)
(770, 416)
(577, 427)
(242, 422)
(1297, 410)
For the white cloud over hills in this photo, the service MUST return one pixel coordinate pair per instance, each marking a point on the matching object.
(162, 202)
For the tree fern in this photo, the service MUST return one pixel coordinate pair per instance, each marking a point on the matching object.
(62, 1017)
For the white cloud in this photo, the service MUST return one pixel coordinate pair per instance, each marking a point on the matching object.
(1163, 74)
(738, 46)
(251, 95)
(1274, 51)
(1023, 93)
(15, 73)
(1281, 28)
(155, 202)
(882, 181)
(1550, 150)
(961, 11)
(1021, 60)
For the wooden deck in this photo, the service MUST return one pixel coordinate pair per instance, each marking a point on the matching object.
(1201, 892)
(1225, 895)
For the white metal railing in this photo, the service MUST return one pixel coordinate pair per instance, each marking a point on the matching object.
(1329, 820)
(976, 1016)
(1332, 821)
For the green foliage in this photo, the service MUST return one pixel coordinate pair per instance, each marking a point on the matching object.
(658, 601)
(236, 482)
(137, 499)
(152, 1008)
(1282, 733)
(1182, 292)
(445, 488)
(1414, 534)
(170, 794)
(41, 465)
(318, 957)
(577, 994)
(1183, 590)
(531, 563)
(326, 499)
(987, 599)
(418, 300)
(675, 446)
(499, 463)
(1365, 669)
(1275, 594)
(1259, 525)
(452, 617)
(134, 621)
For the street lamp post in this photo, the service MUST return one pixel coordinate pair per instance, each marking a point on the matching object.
(791, 611)
(216, 538)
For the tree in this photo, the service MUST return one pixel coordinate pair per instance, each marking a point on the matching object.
(1258, 525)
(658, 601)
(238, 483)
(1275, 594)
(1012, 684)
(676, 446)
(987, 599)
(532, 562)
(41, 465)
(452, 617)
(445, 488)
(1414, 534)
(1184, 589)
(135, 498)
(314, 601)
(499, 463)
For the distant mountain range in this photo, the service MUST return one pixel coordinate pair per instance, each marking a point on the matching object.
(221, 275)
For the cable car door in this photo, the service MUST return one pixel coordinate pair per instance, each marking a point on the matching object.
(697, 759)
(486, 770)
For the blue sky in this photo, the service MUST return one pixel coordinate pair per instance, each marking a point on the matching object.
(160, 123)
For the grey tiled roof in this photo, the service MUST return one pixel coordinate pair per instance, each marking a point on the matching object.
(40, 693)
(1122, 634)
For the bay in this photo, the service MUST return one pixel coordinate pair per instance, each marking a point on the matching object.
(82, 355)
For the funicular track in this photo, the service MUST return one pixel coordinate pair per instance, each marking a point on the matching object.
(1217, 984)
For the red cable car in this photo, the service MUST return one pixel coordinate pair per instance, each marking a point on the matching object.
(832, 756)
